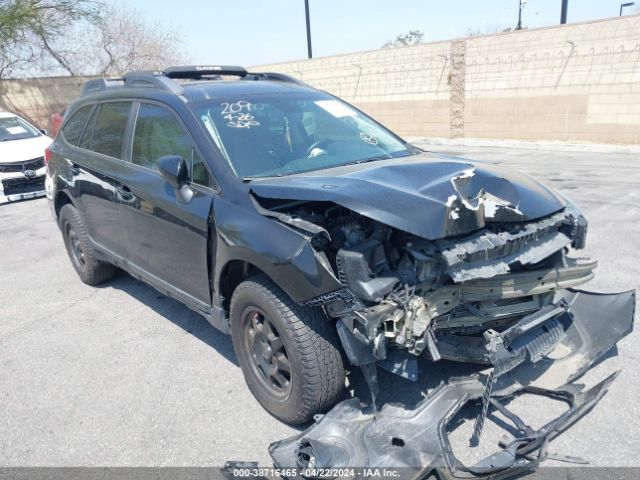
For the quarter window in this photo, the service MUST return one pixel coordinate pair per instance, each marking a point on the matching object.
(110, 127)
(199, 172)
(73, 128)
(85, 140)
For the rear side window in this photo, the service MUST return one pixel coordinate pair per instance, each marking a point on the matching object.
(73, 128)
(110, 127)
(85, 140)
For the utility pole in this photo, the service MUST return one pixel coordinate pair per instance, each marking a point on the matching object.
(306, 11)
(563, 12)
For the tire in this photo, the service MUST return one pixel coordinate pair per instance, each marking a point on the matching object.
(306, 339)
(81, 254)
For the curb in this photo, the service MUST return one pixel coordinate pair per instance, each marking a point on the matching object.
(521, 144)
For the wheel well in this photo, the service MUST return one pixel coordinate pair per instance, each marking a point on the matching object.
(61, 200)
(234, 273)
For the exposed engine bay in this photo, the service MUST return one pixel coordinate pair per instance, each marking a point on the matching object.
(438, 296)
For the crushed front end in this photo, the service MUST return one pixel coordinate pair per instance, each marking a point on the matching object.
(404, 296)
(416, 438)
(488, 277)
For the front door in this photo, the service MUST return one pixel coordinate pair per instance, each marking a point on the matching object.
(167, 237)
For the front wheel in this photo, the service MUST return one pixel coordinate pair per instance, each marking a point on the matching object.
(289, 354)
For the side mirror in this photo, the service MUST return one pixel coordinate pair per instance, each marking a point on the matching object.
(174, 170)
(44, 131)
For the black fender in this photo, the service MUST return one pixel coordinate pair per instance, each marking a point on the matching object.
(281, 252)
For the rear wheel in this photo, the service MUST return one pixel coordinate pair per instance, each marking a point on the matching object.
(81, 254)
(288, 354)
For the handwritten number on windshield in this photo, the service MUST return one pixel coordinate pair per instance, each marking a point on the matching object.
(238, 114)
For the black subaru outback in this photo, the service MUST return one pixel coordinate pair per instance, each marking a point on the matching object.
(313, 235)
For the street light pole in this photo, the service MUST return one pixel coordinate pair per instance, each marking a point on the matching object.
(306, 11)
(521, 5)
(563, 11)
(629, 4)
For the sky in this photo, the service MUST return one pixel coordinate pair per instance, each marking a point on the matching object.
(254, 32)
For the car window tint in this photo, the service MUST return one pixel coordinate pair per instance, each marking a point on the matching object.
(73, 128)
(109, 129)
(158, 133)
(85, 141)
(15, 128)
(199, 171)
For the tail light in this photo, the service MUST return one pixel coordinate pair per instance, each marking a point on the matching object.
(47, 155)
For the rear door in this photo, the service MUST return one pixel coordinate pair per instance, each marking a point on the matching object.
(167, 238)
(98, 133)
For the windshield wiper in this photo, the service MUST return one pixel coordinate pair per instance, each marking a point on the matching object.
(386, 156)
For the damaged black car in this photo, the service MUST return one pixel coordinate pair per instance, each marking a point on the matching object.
(322, 242)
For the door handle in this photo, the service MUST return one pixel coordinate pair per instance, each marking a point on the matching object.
(124, 193)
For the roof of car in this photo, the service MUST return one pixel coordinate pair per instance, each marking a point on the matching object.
(7, 115)
(196, 83)
(202, 90)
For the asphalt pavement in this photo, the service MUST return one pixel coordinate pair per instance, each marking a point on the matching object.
(120, 375)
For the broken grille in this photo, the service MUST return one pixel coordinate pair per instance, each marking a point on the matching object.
(33, 164)
(14, 186)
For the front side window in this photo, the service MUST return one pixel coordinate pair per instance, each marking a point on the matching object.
(109, 128)
(73, 127)
(15, 128)
(159, 133)
(274, 134)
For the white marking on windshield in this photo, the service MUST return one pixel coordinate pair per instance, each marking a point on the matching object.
(238, 114)
(368, 138)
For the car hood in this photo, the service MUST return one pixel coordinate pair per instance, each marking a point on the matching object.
(429, 195)
(26, 149)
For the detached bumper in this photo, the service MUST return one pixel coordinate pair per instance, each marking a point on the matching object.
(416, 438)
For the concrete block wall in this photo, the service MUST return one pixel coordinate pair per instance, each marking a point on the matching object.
(36, 99)
(577, 83)
(407, 89)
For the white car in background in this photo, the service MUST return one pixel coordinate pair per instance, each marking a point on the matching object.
(22, 164)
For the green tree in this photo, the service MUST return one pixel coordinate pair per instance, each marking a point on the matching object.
(30, 29)
(82, 37)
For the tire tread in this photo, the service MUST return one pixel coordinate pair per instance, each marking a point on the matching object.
(96, 271)
(316, 341)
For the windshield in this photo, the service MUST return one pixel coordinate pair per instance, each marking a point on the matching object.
(15, 128)
(282, 134)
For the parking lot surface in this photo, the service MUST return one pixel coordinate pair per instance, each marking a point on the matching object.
(122, 376)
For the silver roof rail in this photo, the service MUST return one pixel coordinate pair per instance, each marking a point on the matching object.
(99, 84)
(147, 79)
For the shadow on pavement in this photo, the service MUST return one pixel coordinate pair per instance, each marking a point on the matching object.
(393, 389)
(175, 312)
